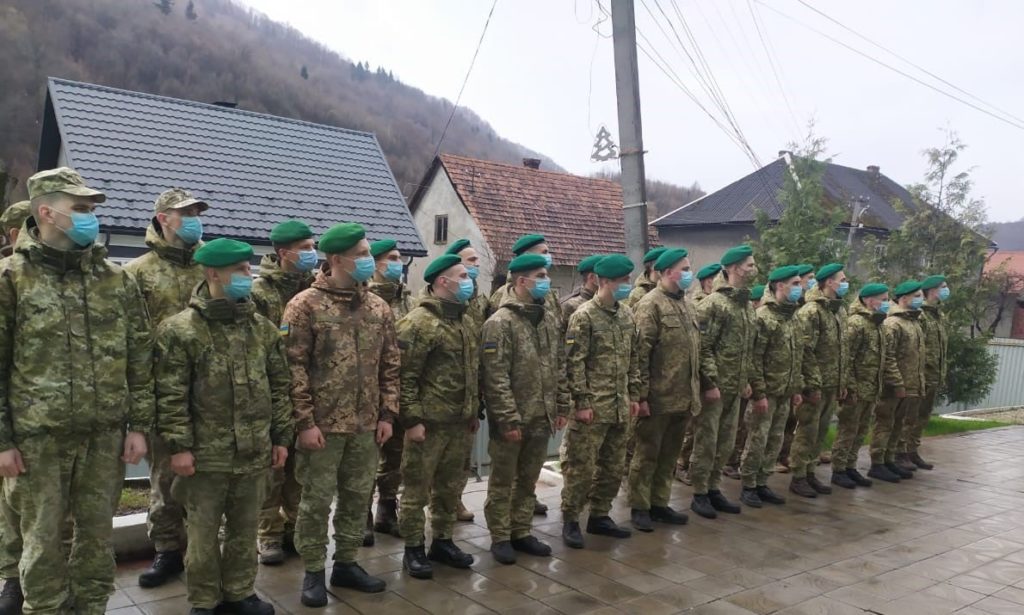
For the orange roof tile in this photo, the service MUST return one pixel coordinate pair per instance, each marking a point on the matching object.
(1014, 260)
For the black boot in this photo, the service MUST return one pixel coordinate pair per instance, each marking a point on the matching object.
(857, 478)
(750, 498)
(702, 506)
(445, 551)
(314, 589)
(801, 487)
(415, 562)
(386, 521)
(166, 566)
(903, 461)
(721, 504)
(192, 611)
(354, 577)
(604, 526)
(896, 469)
(769, 496)
(11, 598)
(841, 479)
(882, 472)
(531, 546)
(915, 459)
(666, 514)
(249, 606)
(817, 485)
(571, 535)
(503, 552)
(368, 537)
(540, 509)
(641, 520)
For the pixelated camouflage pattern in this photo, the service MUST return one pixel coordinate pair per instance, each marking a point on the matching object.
(905, 346)
(275, 287)
(602, 361)
(511, 486)
(865, 349)
(572, 303)
(658, 441)
(668, 353)
(936, 342)
(15, 215)
(853, 420)
(434, 473)
(727, 326)
(823, 320)
(592, 467)
(778, 350)
(398, 297)
(764, 438)
(641, 286)
(166, 276)
(552, 303)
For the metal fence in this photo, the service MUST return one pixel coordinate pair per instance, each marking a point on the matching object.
(1008, 390)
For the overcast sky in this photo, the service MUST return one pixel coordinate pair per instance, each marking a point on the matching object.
(545, 78)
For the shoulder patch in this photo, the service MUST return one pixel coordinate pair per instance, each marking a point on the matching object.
(570, 338)
(490, 347)
(283, 330)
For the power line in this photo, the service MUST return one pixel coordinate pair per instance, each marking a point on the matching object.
(772, 64)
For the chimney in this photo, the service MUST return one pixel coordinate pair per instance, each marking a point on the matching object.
(531, 163)
(784, 153)
(874, 169)
(223, 103)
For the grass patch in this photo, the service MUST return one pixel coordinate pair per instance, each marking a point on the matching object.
(937, 426)
(133, 500)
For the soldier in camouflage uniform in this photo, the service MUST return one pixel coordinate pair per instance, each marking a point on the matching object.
(648, 280)
(439, 403)
(668, 363)
(167, 274)
(727, 339)
(587, 289)
(11, 222)
(906, 384)
(823, 318)
(223, 411)
(283, 274)
(344, 358)
(776, 383)
(732, 468)
(527, 399)
(868, 373)
(936, 343)
(806, 273)
(68, 426)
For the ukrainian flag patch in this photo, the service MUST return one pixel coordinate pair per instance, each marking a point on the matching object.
(283, 330)
(490, 347)
(570, 339)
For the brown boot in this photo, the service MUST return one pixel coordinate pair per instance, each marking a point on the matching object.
(464, 514)
(903, 461)
(825, 458)
(800, 487)
(731, 472)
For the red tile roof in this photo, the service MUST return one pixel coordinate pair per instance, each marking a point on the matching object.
(1014, 260)
(578, 216)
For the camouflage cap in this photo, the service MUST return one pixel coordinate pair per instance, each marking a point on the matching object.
(177, 198)
(64, 180)
(15, 215)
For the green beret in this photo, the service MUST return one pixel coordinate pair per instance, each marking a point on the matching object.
(709, 271)
(783, 273)
(381, 247)
(828, 271)
(653, 254)
(669, 258)
(907, 288)
(872, 290)
(736, 254)
(223, 252)
(457, 246)
(932, 281)
(290, 232)
(803, 270)
(757, 292)
(15, 215)
(527, 262)
(438, 265)
(587, 265)
(341, 237)
(526, 242)
(613, 266)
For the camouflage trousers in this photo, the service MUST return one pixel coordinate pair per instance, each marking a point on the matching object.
(764, 440)
(166, 520)
(281, 506)
(10, 537)
(889, 417)
(515, 468)
(741, 437)
(787, 436)
(592, 467)
(687, 448)
(812, 421)
(345, 468)
(658, 439)
(850, 433)
(209, 498)
(435, 474)
(389, 470)
(80, 476)
(914, 423)
(714, 436)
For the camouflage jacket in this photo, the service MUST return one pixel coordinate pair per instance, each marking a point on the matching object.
(573, 302)
(222, 385)
(275, 288)
(823, 320)
(477, 308)
(668, 353)
(936, 343)
(602, 361)
(76, 347)
(905, 346)
(440, 363)
(641, 287)
(868, 368)
(166, 276)
(551, 303)
(778, 350)
(727, 327)
(398, 297)
(523, 365)
(344, 358)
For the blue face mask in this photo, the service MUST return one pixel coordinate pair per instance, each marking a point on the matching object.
(394, 270)
(365, 267)
(916, 303)
(844, 287)
(84, 228)
(239, 287)
(944, 293)
(622, 291)
(795, 292)
(465, 290)
(540, 288)
(473, 271)
(307, 260)
(685, 280)
(883, 307)
(547, 261)
(191, 230)
(811, 283)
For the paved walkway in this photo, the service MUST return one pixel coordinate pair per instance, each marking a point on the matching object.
(949, 541)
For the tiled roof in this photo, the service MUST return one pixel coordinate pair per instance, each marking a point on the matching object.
(739, 202)
(578, 216)
(255, 170)
(1014, 262)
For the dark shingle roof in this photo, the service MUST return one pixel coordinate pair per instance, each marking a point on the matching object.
(254, 169)
(739, 202)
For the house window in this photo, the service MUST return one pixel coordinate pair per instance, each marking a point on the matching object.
(441, 229)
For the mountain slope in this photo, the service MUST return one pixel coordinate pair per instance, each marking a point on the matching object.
(1009, 235)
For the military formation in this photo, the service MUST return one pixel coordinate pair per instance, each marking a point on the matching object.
(263, 404)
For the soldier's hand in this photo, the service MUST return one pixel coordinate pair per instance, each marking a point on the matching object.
(842, 394)
(474, 425)
(278, 455)
(814, 397)
(901, 392)
(311, 439)
(384, 431)
(797, 400)
(11, 463)
(417, 433)
(134, 448)
(760, 406)
(513, 435)
(183, 464)
(851, 398)
(747, 392)
(645, 409)
(561, 422)
(713, 394)
(585, 416)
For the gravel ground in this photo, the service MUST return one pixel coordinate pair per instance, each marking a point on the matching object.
(1015, 416)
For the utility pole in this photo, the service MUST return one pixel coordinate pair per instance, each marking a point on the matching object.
(631, 142)
(860, 205)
